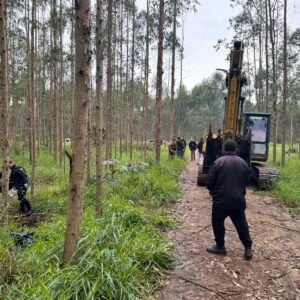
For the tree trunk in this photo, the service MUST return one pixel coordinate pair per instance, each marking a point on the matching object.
(79, 132)
(28, 97)
(285, 85)
(89, 136)
(255, 75)
(260, 87)
(99, 105)
(274, 83)
(159, 75)
(122, 114)
(146, 83)
(126, 119)
(132, 82)
(72, 68)
(267, 56)
(181, 72)
(61, 88)
(4, 101)
(55, 81)
(32, 98)
(172, 107)
(54, 59)
(109, 82)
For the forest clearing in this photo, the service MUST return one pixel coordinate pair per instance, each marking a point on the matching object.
(130, 130)
(145, 243)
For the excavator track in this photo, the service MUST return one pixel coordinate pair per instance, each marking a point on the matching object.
(201, 178)
(267, 175)
(262, 176)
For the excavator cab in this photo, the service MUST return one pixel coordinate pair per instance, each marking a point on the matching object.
(258, 126)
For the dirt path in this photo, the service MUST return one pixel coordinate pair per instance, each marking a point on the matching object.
(273, 273)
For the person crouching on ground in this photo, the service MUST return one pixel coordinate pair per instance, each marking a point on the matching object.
(18, 179)
(227, 179)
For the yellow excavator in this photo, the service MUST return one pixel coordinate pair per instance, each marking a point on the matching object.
(250, 130)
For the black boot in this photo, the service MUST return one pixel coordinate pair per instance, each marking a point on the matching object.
(28, 207)
(22, 207)
(217, 250)
(248, 253)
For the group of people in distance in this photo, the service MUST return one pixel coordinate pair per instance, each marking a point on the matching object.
(177, 148)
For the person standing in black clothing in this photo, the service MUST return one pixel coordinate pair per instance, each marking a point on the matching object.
(184, 145)
(18, 179)
(227, 179)
(200, 149)
(193, 147)
(179, 147)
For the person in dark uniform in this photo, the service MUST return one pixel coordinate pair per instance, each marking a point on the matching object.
(227, 179)
(193, 147)
(184, 145)
(179, 147)
(18, 179)
(200, 150)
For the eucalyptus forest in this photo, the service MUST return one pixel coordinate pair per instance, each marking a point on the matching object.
(92, 95)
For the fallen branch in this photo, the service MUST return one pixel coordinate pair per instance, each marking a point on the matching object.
(281, 226)
(200, 285)
(280, 276)
(270, 215)
(205, 227)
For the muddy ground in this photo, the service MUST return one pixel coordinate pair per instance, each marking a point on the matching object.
(274, 271)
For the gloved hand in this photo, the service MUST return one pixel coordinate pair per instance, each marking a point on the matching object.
(26, 186)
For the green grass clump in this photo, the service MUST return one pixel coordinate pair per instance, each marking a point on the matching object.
(156, 188)
(287, 189)
(119, 255)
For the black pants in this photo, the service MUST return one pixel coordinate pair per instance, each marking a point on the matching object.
(24, 203)
(237, 217)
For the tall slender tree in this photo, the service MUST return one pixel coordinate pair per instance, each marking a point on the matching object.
(274, 77)
(285, 84)
(32, 97)
(159, 74)
(132, 102)
(4, 100)
(172, 105)
(79, 132)
(146, 77)
(109, 78)
(61, 86)
(55, 61)
(99, 104)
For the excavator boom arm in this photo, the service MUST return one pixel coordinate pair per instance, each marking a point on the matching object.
(234, 81)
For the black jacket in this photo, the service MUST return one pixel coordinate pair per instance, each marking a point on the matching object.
(18, 176)
(200, 146)
(227, 179)
(192, 145)
(179, 145)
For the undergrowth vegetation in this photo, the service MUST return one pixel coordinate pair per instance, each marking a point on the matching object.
(119, 255)
(288, 188)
